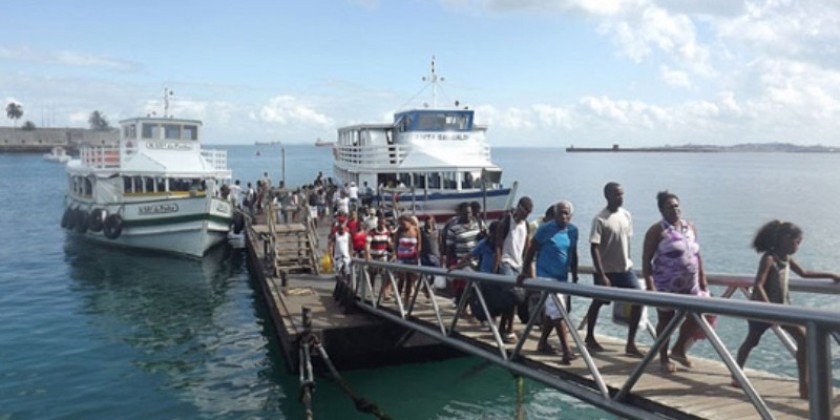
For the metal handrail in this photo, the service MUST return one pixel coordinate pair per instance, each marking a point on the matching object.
(819, 324)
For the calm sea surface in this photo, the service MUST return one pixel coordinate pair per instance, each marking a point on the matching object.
(90, 332)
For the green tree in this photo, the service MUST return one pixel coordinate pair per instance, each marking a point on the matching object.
(28, 126)
(14, 111)
(98, 121)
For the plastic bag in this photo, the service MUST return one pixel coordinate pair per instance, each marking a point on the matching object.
(711, 319)
(440, 282)
(326, 264)
(621, 313)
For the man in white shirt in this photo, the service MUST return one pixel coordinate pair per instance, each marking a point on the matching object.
(236, 194)
(609, 241)
(353, 194)
(512, 239)
(511, 244)
(339, 248)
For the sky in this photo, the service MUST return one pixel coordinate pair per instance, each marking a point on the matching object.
(541, 73)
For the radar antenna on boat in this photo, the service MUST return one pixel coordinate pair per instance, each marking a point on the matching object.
(166, 94)
(433, 79)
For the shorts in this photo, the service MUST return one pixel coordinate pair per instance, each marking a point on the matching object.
(509, 270)
(313, 212)
(758, 328)
(409, 261)
(430, 260)
(623, 280)
(551, 309)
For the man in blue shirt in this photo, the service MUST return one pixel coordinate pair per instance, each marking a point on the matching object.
(555, 247)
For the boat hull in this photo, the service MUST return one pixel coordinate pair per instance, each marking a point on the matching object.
(189, 226)
(444, 204)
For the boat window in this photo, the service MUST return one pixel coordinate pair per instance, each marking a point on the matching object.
(443, 121)
(468, 180)
(493, 178)
(404, 180)
(148, 184)
(190, 132)
(420, 180)
(449, 181)
(151, 131)
(434, 180)
(88, 187)
(172, 131)
(130, 131)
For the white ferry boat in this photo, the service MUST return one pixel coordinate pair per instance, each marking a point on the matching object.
(156, 190)
(57, 154)
(426, 161)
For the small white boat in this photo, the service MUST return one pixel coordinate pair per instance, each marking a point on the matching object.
(426, 161)
(57, 154)
(158, 189)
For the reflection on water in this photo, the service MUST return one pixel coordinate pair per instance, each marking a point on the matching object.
(183, 321)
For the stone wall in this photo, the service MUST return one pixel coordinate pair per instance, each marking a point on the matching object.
(44, 139)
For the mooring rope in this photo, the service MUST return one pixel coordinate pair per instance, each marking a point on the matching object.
(308, 384)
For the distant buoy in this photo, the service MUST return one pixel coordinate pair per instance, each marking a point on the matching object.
(258, 152)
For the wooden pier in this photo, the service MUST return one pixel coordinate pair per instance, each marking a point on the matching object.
(355, 339)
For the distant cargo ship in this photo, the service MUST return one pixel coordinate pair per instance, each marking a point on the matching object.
(693, 148)
(321, 143)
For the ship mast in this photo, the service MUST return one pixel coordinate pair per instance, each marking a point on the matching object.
(166, 94)
(433, 78)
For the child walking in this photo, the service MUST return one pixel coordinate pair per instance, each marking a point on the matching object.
(778, 241)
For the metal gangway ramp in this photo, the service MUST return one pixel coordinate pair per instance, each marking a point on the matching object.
(626, 386)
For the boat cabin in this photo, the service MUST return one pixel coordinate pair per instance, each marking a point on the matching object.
(151, 129)
(423, 149)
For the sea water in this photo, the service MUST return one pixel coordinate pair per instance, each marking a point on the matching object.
(92, 332)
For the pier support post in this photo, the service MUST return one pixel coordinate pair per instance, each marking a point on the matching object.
(819, 372)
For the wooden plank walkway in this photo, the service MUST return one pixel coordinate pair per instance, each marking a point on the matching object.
(703, 391)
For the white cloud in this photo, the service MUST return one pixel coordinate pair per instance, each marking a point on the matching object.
(68, 58)
(675, 77)
(287, 110)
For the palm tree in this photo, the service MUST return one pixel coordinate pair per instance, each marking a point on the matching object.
(14, 111)
(98, 121)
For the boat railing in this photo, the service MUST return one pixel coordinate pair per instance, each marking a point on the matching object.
(820, 325)
(100, 157)
(385, 156)
(216, 158)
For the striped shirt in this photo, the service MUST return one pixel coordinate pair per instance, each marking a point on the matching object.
(462, 237)
(379, 243)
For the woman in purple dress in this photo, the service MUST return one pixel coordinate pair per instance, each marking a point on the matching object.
(671, 263)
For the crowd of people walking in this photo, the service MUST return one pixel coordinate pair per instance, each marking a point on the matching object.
(671, 261)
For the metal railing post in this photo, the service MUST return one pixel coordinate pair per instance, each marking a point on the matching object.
(820, 388)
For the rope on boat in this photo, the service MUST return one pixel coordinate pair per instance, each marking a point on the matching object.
(362, 405)
(308, 342)
(307, 381)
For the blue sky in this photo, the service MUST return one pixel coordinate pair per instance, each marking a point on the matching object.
(537, 72)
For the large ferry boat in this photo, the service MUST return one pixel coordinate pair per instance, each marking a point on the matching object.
(157, 189)
(426, 161)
